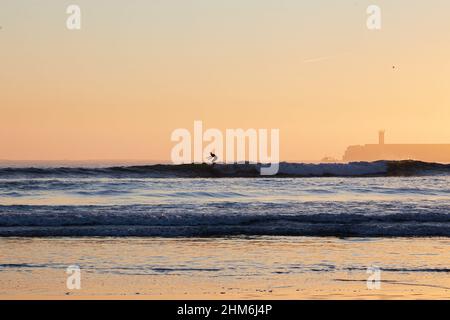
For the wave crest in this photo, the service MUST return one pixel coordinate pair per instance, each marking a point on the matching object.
(352, 169)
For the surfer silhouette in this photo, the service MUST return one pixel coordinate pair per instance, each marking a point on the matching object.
(212, 157)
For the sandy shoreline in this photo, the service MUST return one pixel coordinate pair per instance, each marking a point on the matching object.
(231, 268)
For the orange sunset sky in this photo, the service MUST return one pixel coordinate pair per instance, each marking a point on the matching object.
(137, 70)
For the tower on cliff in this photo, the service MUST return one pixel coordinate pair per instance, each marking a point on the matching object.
(381, 137)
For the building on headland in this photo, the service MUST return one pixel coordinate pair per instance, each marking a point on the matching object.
(384, 151)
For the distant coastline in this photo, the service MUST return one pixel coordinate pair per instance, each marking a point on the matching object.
(439, 153)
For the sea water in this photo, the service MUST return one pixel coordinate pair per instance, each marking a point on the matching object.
(356, 200)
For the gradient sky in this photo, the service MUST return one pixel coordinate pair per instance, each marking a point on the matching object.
(138, 69)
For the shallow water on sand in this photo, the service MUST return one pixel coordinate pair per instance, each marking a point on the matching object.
(255, 267)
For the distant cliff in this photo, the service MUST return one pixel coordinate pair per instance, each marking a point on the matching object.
(422, 152)
(383, 151)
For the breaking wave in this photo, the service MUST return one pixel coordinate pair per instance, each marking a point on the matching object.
(352, 169)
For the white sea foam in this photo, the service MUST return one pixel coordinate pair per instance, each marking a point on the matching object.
(334, 169)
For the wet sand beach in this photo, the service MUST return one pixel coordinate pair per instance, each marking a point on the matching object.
(225, 268)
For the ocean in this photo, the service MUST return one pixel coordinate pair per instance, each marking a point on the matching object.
(224, 231)
(378, 199)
